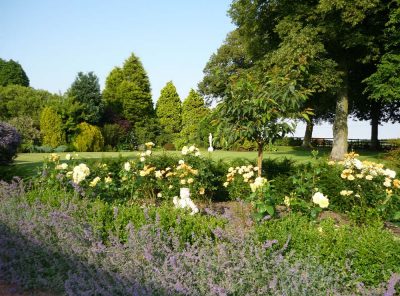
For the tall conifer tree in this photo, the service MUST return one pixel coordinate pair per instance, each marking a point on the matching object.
(169, 113)
(193, 111)
(127, 96)
(128, 92)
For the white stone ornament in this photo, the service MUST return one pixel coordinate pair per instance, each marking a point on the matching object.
(210, 138)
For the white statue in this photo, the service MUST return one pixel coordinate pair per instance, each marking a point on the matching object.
(210, 138)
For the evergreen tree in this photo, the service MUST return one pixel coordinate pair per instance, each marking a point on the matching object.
(86, 91)
(128, 92)
(169, 113)
(11, 72)
(193, 112)
(51, 128)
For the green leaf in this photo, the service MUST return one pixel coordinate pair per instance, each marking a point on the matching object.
(270, 210)
(258, 216)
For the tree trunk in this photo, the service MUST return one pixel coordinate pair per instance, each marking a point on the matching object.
(340, 128)
(375, 116)
(260, 157)
(308, 135)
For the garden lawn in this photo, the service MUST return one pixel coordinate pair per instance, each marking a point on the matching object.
(26, 164)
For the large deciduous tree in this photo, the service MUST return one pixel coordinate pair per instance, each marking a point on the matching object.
(16, 100)
(169, 113)
(11, 72)
(383, 86)
(85, 90)
(350, 33)
(229, 60)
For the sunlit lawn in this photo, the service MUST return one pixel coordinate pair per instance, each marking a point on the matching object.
(26, 164)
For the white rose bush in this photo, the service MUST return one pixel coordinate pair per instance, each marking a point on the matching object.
(146, 177)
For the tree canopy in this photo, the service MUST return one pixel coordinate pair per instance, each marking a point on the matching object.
(11, 72)
(85, 90)
(16, 100)
(127, 91)
(327, 47)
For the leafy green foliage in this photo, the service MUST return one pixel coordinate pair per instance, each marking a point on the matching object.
(230, 59)
(85, 90)
(127, 91)
(373, 253)
(51, 128)
(329, 47)
(257, 111)
(169, 113)
(193, 112)
(112, 218)
(112, 134)
(16, 100)
(364, 199)
(89, 138)
(11, 72)
(29, 132)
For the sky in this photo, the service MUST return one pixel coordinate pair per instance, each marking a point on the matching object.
(174, 39)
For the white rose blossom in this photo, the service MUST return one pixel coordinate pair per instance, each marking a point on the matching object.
(320, 199)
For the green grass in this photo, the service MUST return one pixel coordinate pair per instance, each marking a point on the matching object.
(26, 164)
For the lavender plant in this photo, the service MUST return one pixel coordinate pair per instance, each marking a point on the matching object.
(41, 246)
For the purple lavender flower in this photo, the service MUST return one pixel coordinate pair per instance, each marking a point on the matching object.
(391, 287)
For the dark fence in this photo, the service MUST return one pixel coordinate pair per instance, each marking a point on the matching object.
(354, 144)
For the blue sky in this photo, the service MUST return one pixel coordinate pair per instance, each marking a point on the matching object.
(54, 40)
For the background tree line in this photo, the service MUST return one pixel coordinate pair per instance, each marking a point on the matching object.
(86, 119)
(313, 60)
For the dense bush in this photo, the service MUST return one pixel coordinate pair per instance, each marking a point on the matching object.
(288, 141)
(169, 147)
(29, 132)
(148, 177)
(10, 139)
(369, 251)
(394, 157)
(89, 138)
(62, 252)
(366, 191)
(112, 134)
(110, 219)
(51, 128)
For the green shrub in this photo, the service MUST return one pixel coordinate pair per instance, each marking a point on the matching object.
(394, 157)
(29, 132)
(41, 149)
(112, 218)
(51, 128)
(372, 252)
(89, 138)
(112, 134)
(169, 147)
(363, 199)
